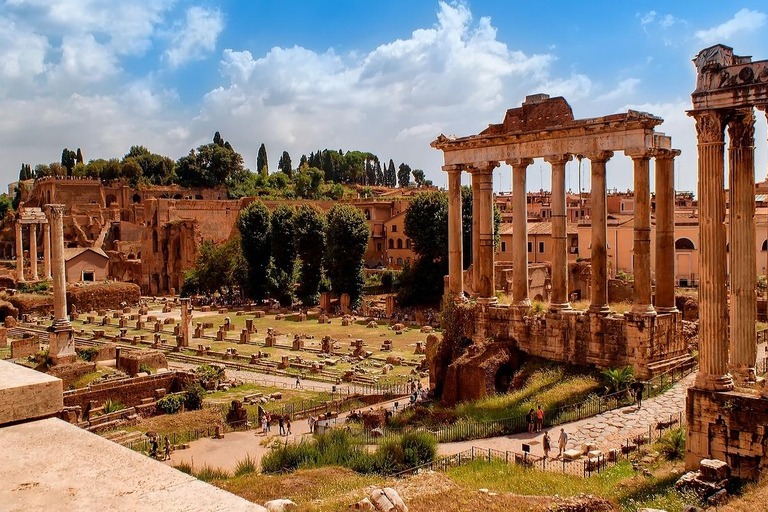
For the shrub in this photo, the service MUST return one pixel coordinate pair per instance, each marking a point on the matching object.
(672, 444)
(193, 396)
(88, 353)
(184, 467)
(209, 474)
(170, 404)
(390, 457)
(112, 406)
(245, 466)
(146, 368)
(418, 448)
(290, 457)
(618, 379)
(206, 373)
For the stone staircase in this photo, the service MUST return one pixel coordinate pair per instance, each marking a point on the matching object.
(122, 437)
(665, 365)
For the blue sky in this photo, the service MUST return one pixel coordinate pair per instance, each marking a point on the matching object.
(386, 77)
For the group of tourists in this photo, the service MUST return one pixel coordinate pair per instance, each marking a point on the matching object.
(154, 447)
(283, 424)
(562, 441)
(535, 420)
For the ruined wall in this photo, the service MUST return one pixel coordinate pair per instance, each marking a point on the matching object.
(129, 392)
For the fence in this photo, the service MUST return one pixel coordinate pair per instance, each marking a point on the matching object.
(583, 467)
(468, 430)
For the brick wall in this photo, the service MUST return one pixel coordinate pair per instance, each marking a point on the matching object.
(129, 392)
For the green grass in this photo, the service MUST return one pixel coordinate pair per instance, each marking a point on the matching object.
(84, 380)
(548, 386)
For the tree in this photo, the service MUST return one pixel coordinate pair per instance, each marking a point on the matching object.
(309, 236)
(419, 178)
(379, 173)
(26, 172)
(209, 165)
(262, 165)
(348, 235)
(391, 175)
(68, 160)
(216, 269)
(79, 157)
(254, 226)
(131, 170)
(6, 205)
(307, 182)
(285, 164)
(283, 253)
(218, 140)
(404, 175)
(42, 170)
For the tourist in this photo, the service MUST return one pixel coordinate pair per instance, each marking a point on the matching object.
(311, 423)
(529, 420)
(298, 382)
(280, 425)
(269, 420)
(562, 441)
(539, 419)
(153, 448)
(637, 388)
(546, 444)
(288, 424)
(167, 449)
(396, 404)
(264, 424)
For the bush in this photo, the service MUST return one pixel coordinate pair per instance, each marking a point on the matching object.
(245, 466)
(88, 353)
(418, 448)
(112, 406)
(170, 404)
(193, 396)
(672, 444)
(206, 373)
(290, 457)
(618, 379)
(145, 368)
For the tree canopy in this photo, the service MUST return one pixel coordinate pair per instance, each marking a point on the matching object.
(254, 226)
(348, 234)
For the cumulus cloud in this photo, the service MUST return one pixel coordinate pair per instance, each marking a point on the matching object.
(746, 20)
(195, 36)
(22, 53)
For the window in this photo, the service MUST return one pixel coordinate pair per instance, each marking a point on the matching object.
(408, 243)
(391, 244)
(541, 247)
(765, 246)
(394, 228)
(88, 275)
(399, 261)
(378, 246)
(399, 243)
(576, 214)
(367, 214)
(503, 246)
(685, 244)
(530, 246)
(622, 206)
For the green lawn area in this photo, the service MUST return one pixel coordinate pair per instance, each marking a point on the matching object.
(88, 378)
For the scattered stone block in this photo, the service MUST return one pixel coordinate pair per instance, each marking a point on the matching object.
(713, 470)
(24, 347)
(571, 454)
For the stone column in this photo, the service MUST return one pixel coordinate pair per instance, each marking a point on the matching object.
(19, 252)
(61, 334)
(33, 250)
(482, 177)
(47, 249)
(713, 305)
(455, 233)
(520, 232)
(559, 299)
(665, 231)
(599, 219)
(741, 159)
(642, 234)
(186, 319)
(475, 232)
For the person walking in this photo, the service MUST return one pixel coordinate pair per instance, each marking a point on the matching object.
(637, 388)
(264, 424)
(562, 441)
(280, 425)
(311, 423)
(529, 420)
(539, 419)
(288, 424)
(167, 449)
(547, 444)
(298, 382)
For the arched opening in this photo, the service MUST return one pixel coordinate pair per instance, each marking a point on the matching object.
(684, 244)
(408, 243)
(538, 298)
(391, 244)
(111, 198)
(131, 256)
(136, 198)
(399, 261)
(399, 243)
(138, 255)
(502, 382)
(765, 246)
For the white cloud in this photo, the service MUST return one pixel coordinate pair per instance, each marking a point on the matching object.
(22, 52)
(647, 18)
(195, 37)
(746, 20)
(85, 59)
(577, 86)
(624, 89)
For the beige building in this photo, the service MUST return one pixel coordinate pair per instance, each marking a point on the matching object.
(86, 264)
(399, 250)
(539, 242)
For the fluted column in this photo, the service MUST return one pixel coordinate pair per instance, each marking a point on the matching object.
(19, 252)
(559, 299)
(482, 184)
(665, 230)
(475, 231)
(455, 235)
(741, 159)
(33, 250)
(520, 232)
(642, 234)
(713, 306)
(599, 220)
(47, 249)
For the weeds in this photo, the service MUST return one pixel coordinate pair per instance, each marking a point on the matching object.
(246, 466)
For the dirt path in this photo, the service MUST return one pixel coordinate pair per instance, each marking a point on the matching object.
(607, 430)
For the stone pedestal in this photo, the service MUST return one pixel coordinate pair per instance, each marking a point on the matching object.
(61, 341)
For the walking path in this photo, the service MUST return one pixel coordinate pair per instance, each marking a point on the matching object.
(268, 380)
(607, 430)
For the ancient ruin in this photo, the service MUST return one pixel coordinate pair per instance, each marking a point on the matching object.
(61, 335)
(646, 338)
(726, 412)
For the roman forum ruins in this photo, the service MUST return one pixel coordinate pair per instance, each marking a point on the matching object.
(648, 337)
(725, 410)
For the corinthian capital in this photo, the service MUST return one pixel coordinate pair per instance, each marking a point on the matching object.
(709, 126)
(741, 129)
(55, 211)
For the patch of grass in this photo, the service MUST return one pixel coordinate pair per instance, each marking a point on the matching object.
(620, 307)
(84, 380)
(672, 444)
(112, 406)
(184, 467)
(209, 474)
(246, 466)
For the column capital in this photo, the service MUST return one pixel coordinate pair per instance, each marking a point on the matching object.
(55, 211)
(665, 154)
(520, 163)
(710, 125)
(558, 159)
(453, 167)
(741, 129)
(639, 153)
(599, 156)
(481, 167)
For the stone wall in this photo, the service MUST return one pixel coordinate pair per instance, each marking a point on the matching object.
(129, 392)
(24, 347)
(728, 426)
(131, 362)
(69, 373)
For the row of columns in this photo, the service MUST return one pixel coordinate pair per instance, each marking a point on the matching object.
(32, 250)
(482, 229)
(718, 366)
